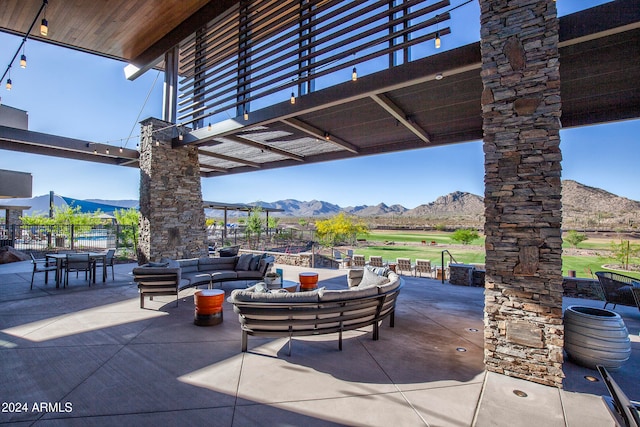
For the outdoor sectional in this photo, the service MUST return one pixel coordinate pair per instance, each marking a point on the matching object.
(169, 277)
(322, 311)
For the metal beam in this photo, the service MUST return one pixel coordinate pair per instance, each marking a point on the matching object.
(401, 116)
(58, 146)
(245, 141)
(228, 158)
(315, 132)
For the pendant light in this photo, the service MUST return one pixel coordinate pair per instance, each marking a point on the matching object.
(354, 74)
(293, 98)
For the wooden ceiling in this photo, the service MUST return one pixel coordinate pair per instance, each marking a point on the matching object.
(120, 29)
(401, 108)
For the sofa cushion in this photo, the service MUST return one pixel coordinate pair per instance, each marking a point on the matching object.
(188, 265)
(212, 264)
(248, 295)
(344, 294)
(369, 278)
(255, 262)
(249, 274)
(224, 275)
(393, 283)
(243, 262)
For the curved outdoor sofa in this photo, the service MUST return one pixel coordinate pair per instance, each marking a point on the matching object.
(322, 311)
(169, 277)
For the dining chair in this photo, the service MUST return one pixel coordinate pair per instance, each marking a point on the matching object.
(108, 262)
(41, 265)
(77, 263)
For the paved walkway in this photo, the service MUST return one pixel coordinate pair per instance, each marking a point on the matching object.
(88, 355)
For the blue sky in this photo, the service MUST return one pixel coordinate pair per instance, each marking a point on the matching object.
(77, 95)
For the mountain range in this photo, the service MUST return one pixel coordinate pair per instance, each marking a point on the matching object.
(583, 207)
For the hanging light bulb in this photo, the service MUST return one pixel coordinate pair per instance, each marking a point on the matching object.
(354, 74)
(44, 27)
(158, 141)
(23, 61)
(9, 84)
(327, 136)
(246, 114)
(209, 127)
(121, 149)
(437, 39)
(293, 98)
(107, 151)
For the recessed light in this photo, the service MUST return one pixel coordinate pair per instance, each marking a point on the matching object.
(439, 76)
(472, 330)
(591, 378)
(520, 393)
(461, 349)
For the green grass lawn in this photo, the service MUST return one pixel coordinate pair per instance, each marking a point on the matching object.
(584, 266)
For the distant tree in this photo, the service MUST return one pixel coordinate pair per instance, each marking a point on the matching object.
(574, 238)
(624, 251)
(340, 229)
(254, 225)
(128, 219)
(303, 222)
(464, 235)
(273, 222)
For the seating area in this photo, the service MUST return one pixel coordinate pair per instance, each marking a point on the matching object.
(412, 375)
(169, 277)
(619, 289)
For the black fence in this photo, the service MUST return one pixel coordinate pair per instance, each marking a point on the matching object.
(73, 237)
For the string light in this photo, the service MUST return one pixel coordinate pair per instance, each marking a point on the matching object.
(23, 59)
(246, 114)
(44, 25)
(44, 30)
(293, 98)
(354, 74)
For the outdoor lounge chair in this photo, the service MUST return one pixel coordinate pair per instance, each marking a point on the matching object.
(358, 261)
(617, 288)
(375, 261)
(404, 264)
(41, 266)
(423, 266)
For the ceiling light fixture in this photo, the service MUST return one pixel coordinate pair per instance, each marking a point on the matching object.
(437, 33)
(44, 25)
(439, 76)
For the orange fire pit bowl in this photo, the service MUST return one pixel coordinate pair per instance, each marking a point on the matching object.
(208, 307)
(308, 281)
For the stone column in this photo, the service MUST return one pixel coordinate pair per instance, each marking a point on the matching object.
(172, 222)
(521, 121)
(13, 217)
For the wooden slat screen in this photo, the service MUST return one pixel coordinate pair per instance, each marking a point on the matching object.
(261, 50)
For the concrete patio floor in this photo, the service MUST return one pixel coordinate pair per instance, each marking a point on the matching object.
(95, 358)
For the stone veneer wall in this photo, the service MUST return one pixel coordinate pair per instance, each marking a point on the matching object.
(172, 221)
(521, 109)
(13, 217)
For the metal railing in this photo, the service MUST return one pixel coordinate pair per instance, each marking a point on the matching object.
(452, 260)
(72, 237)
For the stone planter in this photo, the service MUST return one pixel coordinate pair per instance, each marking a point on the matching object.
(595, 336)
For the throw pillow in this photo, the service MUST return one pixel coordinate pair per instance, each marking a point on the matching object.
(369, 278)
(243, 262)
(261, 287)
(158, 264)
(255, 262)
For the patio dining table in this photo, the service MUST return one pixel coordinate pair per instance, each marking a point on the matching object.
(94, 257)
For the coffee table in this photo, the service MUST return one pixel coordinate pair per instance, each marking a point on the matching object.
(289, 285)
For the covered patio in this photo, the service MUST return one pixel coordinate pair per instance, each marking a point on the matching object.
(90, 355)
(508, 89)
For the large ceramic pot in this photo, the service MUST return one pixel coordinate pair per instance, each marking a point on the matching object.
(594, 336)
